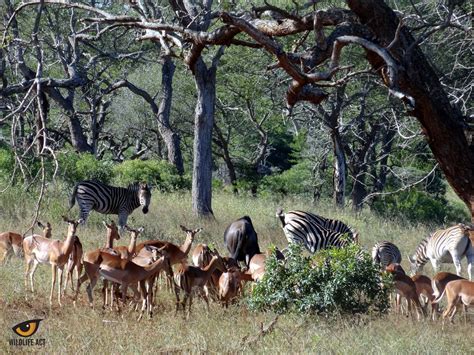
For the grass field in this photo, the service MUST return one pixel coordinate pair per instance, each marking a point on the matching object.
(83, 330)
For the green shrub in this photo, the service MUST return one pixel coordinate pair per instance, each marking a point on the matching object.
(157, 172)
(333, 280)
(418, 206)
(7, 163)
(296, 180)
(76, 167)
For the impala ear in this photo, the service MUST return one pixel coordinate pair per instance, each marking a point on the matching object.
(140, 230)
(40, 224)
(183, 228)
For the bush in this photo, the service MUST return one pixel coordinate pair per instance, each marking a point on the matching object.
(418, 206)
(7, 163)
(76, 167)
(296, 180)
(333, 280)
(157, 172)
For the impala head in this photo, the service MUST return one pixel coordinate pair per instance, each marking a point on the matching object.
(190, 233)
(219, 261)
(134, 232)
(72, 225)
(112, 230)
(46, 229)
(144, 196)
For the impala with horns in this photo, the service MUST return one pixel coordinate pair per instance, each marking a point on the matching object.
(41, 250)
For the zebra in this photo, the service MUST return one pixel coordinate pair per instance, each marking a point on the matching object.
(385, 253)
(445, 246)
(315, 232)
(103, 198)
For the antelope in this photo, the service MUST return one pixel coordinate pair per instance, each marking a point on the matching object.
(257, 263)
(395, 268)
(457, 291)
(13, 242)
(425, 291)
(177, 254)
(201, 255)
(439, 282)
(41, 250)
(10, 242)
(74, 262)
(405, 287)
(230, 285)
(114, 268)
(93, 259)
(189, 277)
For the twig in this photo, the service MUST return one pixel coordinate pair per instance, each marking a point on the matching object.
(247, 340)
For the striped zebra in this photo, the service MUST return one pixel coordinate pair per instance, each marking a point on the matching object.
(315, 232)
(97, 196)
(385, 253)
(445, 246)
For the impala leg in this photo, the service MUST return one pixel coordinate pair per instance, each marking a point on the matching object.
(90, 287)
(27, 272)
(53, 282)
(60, 281)
(104, 293)
(190, 296)
(80, 281)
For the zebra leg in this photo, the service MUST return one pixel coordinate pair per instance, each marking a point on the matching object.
(470, 262)
(435, 265)
(122, 220)
(457, 264)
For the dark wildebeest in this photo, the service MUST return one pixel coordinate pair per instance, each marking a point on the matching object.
(241, 240)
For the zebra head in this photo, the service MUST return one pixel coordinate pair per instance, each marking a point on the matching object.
(144, 196)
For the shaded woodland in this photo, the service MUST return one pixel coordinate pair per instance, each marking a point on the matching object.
(365, 102)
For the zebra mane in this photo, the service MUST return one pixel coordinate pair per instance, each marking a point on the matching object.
(134, 186)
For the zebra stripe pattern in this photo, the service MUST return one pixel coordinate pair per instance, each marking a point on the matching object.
(385, 253)
(315, 232)
(445, 246)
(106, 199)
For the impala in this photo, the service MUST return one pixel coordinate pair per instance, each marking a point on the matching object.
(425, 292)
(458, 292)
(11, 242)
(41, 250)
(189, 277)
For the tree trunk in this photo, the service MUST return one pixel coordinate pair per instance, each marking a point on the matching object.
(78, 138)
(171, 138)
(387, 142)
(358, 190)
(442, 122)
(339, 176)
(223, 144)
(205, 80)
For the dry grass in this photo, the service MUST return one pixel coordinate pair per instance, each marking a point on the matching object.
(83, 330)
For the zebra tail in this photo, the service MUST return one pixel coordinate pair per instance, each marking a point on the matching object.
(72, 199)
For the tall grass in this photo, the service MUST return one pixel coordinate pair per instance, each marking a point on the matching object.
(84, 330)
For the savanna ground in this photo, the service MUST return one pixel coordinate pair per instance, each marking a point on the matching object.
(82, 330)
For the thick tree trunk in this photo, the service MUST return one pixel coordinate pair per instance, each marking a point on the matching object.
(205, 80)
(387, 142)
(359, 192)
(442, 122)
(223, 144)
(171, 138)
(78, 138)
(339, 176)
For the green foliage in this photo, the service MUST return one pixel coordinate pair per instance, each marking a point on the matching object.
(75, 167)
(334, 280)
(157, 172)
(7, 162)
(419, 206)
(296, 180)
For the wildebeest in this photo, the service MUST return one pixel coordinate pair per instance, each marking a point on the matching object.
(241, 240)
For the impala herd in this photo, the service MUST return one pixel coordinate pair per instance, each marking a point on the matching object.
(138, 265)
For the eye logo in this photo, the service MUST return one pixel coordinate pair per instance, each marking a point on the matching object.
(28, 328)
